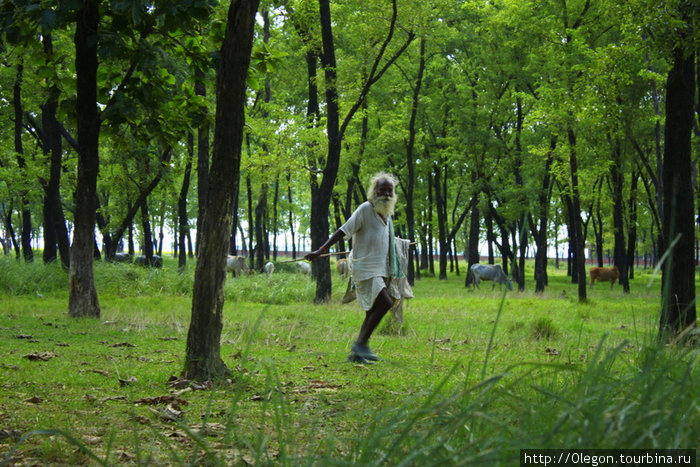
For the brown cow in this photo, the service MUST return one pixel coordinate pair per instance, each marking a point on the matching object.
(604, 274)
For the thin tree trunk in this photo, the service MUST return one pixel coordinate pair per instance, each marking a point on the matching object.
(53, 147)
(26, 215)
(632, 231)
(183, 227)
(620, 253)
(260, 216)
(579, 242)
(410, 163)
(200, 89)
(291, 215)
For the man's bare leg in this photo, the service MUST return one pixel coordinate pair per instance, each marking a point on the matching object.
(373, 317)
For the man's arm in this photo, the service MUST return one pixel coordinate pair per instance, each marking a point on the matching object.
(335, 238)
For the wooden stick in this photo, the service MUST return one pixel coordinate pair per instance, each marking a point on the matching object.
(325, 254)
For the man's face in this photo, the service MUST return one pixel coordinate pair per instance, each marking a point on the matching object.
(384, 188)
(384, 198)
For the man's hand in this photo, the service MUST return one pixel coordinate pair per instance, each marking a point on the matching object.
(313, 255)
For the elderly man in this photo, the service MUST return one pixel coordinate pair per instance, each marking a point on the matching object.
(375, 259)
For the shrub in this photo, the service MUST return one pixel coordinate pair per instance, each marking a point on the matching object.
(544, 328)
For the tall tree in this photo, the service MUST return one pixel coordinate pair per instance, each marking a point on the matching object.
(26, 233)
(678, 290)
(203, 353)
(321, 193)
(83, 299)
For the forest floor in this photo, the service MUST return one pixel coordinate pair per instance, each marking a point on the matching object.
(471, 376)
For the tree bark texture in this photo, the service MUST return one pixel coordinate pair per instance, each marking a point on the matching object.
(579, 240)
(183, 224)
(678, 291)
(620, 253)
(321, 193)
(203, 359)
(83, 299)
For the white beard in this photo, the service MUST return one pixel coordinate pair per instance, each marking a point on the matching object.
(384, 205)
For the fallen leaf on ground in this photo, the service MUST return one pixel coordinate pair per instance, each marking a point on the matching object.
(315, 384)
(550, 351)
(40, 356)
(24, 336)
(34, 400)
(6, 434)
(92, 439)
(127, 381)
(113, 398)
(169, 413)
(167, 399)
(123, 344)
(177, 383)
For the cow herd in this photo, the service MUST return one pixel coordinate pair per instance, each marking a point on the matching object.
(494, 272)
(238, 265)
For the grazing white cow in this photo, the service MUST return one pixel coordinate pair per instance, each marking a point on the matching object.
(304, 268)
(490, 272)
(269, 268)
(342, 267)
(236, 264)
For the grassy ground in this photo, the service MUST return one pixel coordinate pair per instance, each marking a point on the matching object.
(471, 377)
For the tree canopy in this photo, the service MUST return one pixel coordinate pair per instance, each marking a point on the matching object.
(516, 128)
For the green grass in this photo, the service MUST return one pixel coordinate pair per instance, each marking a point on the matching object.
(471, 377)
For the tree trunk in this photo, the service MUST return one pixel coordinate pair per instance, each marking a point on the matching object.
(473, 256)
(441, 205)
(200, 89)
(147, 247)
(291, 215)
(410, 164)
(83, 299)
(321, 194)
(53, 147)
(260, 234)
(26, 232)
(632, 231)
(133, 209)
(620, 253)
(579, 241)
(539, 234)
(203, 357)
(251, 223)
(275, 227)
(678, 289)
(183, 227)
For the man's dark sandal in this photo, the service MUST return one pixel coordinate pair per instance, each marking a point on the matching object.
(355, 358)
(365, 353)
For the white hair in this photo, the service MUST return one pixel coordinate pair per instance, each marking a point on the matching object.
(386, 204)
(376, 178)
